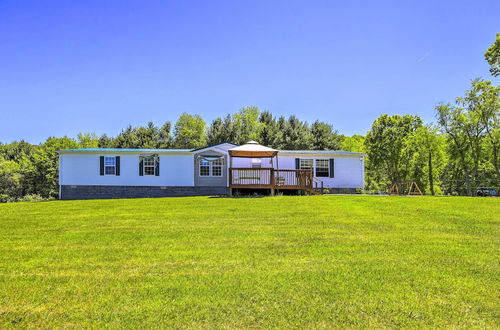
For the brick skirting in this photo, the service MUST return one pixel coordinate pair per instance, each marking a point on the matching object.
(106, 192)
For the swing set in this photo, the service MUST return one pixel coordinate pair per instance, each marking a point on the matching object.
(405, 188)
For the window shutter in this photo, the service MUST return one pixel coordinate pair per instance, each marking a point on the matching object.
(101, 162)
(332, 168)
(297, 163)
(117, 172)
(157, 166)
(141, 166)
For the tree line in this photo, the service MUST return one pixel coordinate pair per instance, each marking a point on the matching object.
(249, 123)
(456, 154)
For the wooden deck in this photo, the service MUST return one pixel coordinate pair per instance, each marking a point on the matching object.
(270, 178)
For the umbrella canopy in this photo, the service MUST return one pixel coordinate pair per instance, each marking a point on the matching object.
(252, 149)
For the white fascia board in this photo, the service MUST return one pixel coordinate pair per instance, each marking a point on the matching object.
(115, 152)
(323, 154)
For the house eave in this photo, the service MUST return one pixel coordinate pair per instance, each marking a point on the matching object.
(321, 153)
(123, 151)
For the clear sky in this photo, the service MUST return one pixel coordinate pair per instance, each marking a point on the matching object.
(97, 66)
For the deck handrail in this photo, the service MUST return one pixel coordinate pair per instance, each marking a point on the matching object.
(268, 177)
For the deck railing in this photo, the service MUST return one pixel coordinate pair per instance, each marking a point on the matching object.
(270, 178)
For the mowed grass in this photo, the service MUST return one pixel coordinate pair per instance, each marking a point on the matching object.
(317, 261)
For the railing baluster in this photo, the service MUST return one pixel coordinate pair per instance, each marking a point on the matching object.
(269, 177)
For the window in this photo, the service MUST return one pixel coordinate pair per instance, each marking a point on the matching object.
(149, 165)
(256, 162)
(211, 168)
(322, 168)
(204, 167)
(217, 167)
(306, 164)
(109, 166)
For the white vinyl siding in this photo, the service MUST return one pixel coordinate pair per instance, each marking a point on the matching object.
(83, 169)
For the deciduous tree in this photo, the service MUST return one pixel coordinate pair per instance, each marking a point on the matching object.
(492, 55)
(386, 145)
(190, 131)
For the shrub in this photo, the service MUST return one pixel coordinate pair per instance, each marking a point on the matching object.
(32, 198)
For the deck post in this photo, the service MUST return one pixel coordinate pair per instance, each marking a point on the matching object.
(277, 170)
(230, 176)
(273, 178)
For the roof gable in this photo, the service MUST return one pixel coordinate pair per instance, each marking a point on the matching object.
(224, 147)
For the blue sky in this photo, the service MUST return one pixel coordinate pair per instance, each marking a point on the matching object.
(97, 66)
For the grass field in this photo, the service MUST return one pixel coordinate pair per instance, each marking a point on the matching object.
(318, 261)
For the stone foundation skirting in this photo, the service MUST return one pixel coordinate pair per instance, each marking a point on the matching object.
(344, 190)
(106, 192)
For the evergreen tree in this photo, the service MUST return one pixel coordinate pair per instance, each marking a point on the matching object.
(270, 134)
(126, 139)
(147, 137)
(216, 133)
(165, 137)
(324, 137)
(297, 135)
(105, 142)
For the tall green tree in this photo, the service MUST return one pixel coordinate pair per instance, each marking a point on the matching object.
(246, 123)
(126, 139)
(386, 145)
(165, 136)
(428, 155)
(471, 125)
(492, 55)
(15, 151)
(147, 137)
(230, 132)
(10, 180)
(355, 143)
(483, 104)
(462, 141)
(297, 135)
(42, 176)
(216, 132)
(105, 142)
(282, 128)
(324, 137)
(190, 131)
(270, 133)
(88, 140)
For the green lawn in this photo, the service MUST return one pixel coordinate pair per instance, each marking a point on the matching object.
(318, 261)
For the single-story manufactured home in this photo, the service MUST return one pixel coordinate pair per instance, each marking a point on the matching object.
(215, 170)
